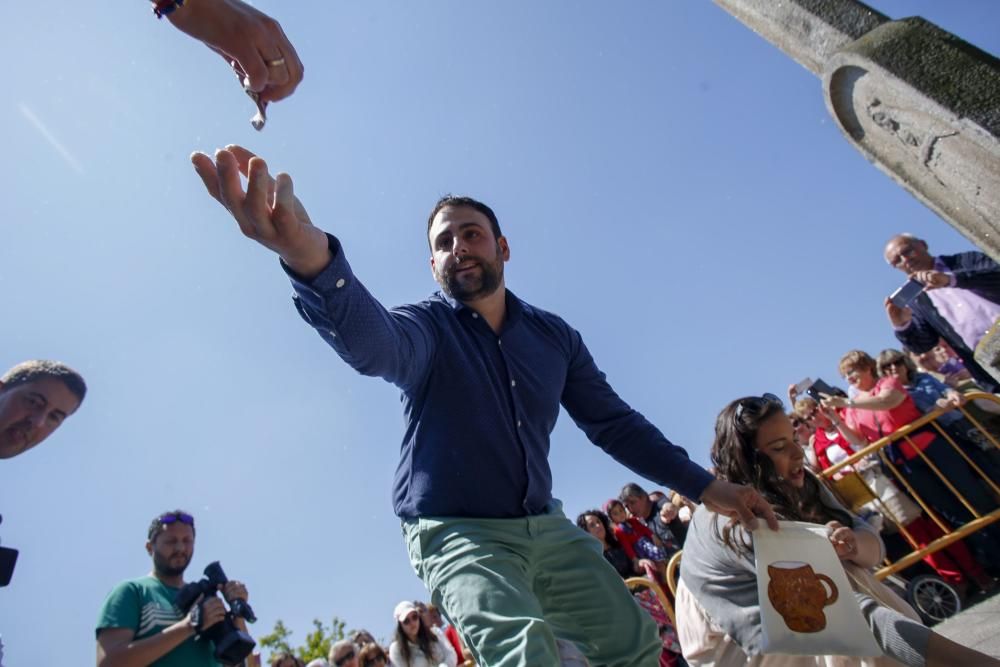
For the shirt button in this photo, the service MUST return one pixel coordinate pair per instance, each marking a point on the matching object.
(340, 283)
(513, 383)
(475, 315)
(519, 423)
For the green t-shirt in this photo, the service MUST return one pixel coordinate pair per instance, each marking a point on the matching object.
(146, 605)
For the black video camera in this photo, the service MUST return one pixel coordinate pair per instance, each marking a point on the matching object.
(232, 645)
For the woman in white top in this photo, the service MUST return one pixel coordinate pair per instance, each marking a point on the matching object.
(416, 644)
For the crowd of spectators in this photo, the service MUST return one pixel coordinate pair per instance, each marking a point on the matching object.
(421, 638)
(889, 392)
(639, 533)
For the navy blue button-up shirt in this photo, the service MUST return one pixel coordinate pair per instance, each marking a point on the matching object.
(479, 407)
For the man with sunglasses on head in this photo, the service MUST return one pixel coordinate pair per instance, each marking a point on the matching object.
(482, 375)
(139, 623)
(960, 302)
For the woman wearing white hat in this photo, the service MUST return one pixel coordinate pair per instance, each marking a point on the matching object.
(415, 644)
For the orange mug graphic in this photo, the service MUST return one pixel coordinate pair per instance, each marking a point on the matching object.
(798, 594)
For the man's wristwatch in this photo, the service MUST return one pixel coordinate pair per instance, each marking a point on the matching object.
(194, 618)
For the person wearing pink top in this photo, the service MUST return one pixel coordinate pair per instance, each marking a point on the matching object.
(881, 407)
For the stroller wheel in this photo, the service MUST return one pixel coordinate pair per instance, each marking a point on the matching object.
(933, 598)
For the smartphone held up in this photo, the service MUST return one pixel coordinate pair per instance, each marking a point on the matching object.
(905, 295)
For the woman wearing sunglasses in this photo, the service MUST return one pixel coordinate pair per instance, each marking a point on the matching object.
(718, 611)
(929, 393)
(416, 645)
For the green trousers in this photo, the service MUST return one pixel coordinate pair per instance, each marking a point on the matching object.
(511, 586)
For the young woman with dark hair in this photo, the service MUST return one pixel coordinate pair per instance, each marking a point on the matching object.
(598, 524)
(416, 645)
(718, 610)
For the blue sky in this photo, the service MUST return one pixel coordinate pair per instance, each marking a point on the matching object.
(670, 183)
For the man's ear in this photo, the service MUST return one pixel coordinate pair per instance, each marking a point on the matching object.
(149, 547)
(504, 248)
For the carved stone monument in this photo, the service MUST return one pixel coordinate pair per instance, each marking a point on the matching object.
(921, 104)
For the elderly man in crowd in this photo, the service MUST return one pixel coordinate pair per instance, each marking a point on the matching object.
(642, 506)
(960, 301)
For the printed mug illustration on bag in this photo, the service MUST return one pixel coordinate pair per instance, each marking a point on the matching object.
(799, 595)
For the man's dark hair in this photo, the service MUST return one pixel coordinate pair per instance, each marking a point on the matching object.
(454, 200)
(157, 524)
(36, 369)
(632, 489)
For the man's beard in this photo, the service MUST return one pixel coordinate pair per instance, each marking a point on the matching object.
(490, 278)
(162, 565)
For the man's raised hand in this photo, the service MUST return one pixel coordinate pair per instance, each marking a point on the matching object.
(268, 212)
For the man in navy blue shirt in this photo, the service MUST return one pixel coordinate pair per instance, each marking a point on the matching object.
(482, 375)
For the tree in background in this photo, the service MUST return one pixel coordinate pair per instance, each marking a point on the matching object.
(317, 644)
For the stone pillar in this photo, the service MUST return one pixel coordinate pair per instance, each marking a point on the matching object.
(921, 104)
(918, 102)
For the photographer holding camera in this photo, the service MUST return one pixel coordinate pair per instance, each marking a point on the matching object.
(143, 623)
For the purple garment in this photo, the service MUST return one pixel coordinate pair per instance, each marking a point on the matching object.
(968, 313)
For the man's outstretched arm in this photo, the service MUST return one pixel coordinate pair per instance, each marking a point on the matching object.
(395, 345)
(634, 442)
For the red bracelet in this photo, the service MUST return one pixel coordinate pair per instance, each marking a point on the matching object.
(163, 7)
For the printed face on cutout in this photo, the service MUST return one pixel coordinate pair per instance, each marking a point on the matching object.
(31, 412)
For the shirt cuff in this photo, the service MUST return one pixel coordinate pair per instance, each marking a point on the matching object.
(334, 277)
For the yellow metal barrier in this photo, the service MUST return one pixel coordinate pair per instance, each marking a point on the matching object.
(673, 570)
(643, 582)
(853, 489)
